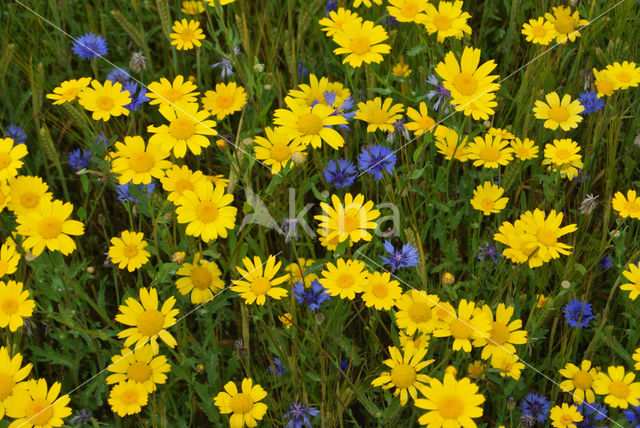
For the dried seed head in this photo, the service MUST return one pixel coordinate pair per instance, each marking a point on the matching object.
(138, 62)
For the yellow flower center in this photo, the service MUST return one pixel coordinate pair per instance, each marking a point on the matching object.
(241, 404)
(426, 123)
(403, 375)
(141, 162)
(186, 35)
(487, 204)
(200, 277)
(360, 45)
(604, 87)
(182, 129)
(558, 114)
(489, 154)
(565, 24)
(50, 228)
(280, 152)
(183, 185)
(260, 286)
(172, 95)
(442, 22)
(499, 334)
(129, 397)
(9, 306)
(105, 103)
(5, 160)
(130, 251)
(344, 280)
(566, 420)
(378, 117)
(562, 154)
(631, 207)
(619, 389)
(6, 385)
(460, 329)
(380, 290)
(466, 84)
(310, 124)
(419, 312)
(539, 31)
(39, 412)
(139, 371)
(547, 237)
(409, 10)
(207, 211)
(582, 380)
(450, 407)
(29, 199)
(351, 223)
(70, 94)
(623, 77)
(225, 102)
(150, 322)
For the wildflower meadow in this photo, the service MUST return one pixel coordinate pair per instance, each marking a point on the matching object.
(312, 213)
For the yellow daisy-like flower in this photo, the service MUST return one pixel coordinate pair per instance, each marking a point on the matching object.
(419, 342)
(49, 227)
(350, 220)
(313, 93)
(186, 35)
(178, 180)
(404, 375)
(580, 380)
(487, 198)
(69, 90)
(521, 245)
(129, 250)
(547, 231)
(136, 163)
(337, 20)
(187, 128)
(286, 320)
(344, 279)
(565, 23)
(380, 291)
(27, 194)
(451, 403)
(379, 115)
(490, 152)
(367, 3)
(276, 149)
(11, 377)
(362, 42)
(146, 322)
(452, 146)
(298, 272)
(625, 75)
(243, 405)
(475, 369)
(140, 365)
(539, 31)
(422, 122)
(206, 211)
(38, 406)
(604, 82)
(166, 92)
(416, 312)
(504, 333)
(509, 364)
(310, 125)
(401, 69)
(524, 149)
(448, 20)
(225, 100)
(564, 156)
(259, 280)
(636, 358)
(10, 158)
(472, 87)
(202, 279)
(559, 113)
(407, 10)
(542, 300)
(469, 324)
(5, 194)
(191, 7)
(618, 386)
(9, 258)
(565, 416)
(627, 207)
(502, 133)
(15, 305)
(105, 100)
(128, 398)
(633, 276)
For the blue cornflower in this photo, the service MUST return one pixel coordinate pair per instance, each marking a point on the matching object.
(226, 69)
(605, 262)
(90, 46)
(441, 93)
(406, 257)
(488, 250)
(312, 296)
(535, 406)
(16, 133)
(578, 313)
(390, 20)
(120, 75)
(376, 158)
(299, 415)
(632, 414)
(343, 110)
(136, 100)
(341, 173)
(79, 159)
(302, 70)
(592, 413)
(330, 6)
(124, 191)
(590, 102)
(344, 366)
(277, 368)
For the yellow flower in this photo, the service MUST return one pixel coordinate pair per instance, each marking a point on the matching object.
(344, 279)
(69, 90)
(9, 258)
(202, 279)
(448, 278)
(564, 156)
(502, 133)
(129, 250)
(565, 416)
(407, 10)
(619, 388)
(313, 93)
(10, 158)
(256, 284)
(420, 342)
(380, 291)
(190, 7)
(337, 20)
(243, 405)
(627, 207)
(475, 369)
(367, 3)
(225, 100)
(286, 320)
(11, 377)
(452, 146)
(604, 82)
(490, 152)
(451, 403)
(379, 115)
(140, 365)
(539, 31)
(298, 272)
(633, 276)
(487, 198)
(556, 113)
(580, 379)
(625, 75)
(469, 324)
(542, 300)
(186, 35)
(49, 227)
(27, 194)
(350, 220)
(422, 122)
(136, 163)
(524, 149)
(105, 100)
(362, 42)
(5, 194)
(127, 398)
(504, 333)
(448, 20)
(15, 305)
(401, 69)
(405, 373)
(178, 180)
(416, 312)
(636, 358)
(276, 150)
(565, 23)
(206, 211)
(188, 128)
(547, 231)
(165, 92)
(38, 406)
(146, 322)
(508, 364)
